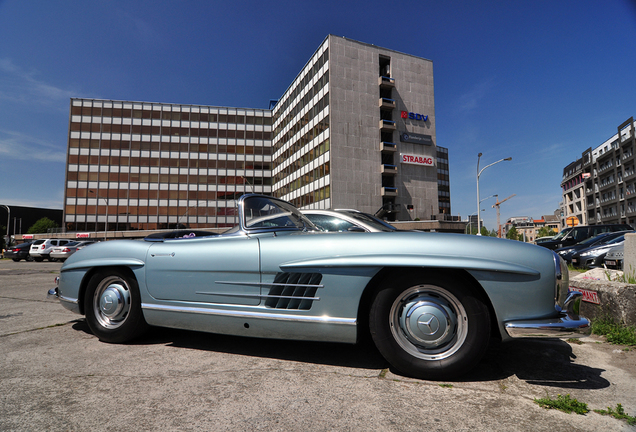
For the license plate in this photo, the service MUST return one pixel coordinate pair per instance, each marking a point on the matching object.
(575, 261)
(612, 263)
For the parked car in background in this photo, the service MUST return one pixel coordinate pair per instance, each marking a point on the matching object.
(614, 257)
(63, 252)
(19, 252)
(41, 249)
(579, 233)
(347, 220)
(568, 252)
(430, 301)
(592, 257)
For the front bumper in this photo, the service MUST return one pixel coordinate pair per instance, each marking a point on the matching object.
(69, 303)
(569, 323)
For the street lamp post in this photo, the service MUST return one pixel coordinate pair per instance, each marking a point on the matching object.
(106, 223)
(478, 175)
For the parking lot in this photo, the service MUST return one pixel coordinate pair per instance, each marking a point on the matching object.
(55, 375)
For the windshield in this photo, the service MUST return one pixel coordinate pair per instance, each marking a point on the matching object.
(562, 234)
(375, 222)
(616, 240)
(264, 212)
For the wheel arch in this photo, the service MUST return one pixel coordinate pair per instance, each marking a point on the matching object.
(385, 275)
(90, 273)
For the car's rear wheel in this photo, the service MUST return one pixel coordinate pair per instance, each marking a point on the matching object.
(16, 259)
(113, 306)
(429, 327)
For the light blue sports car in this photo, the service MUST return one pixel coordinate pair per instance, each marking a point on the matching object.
(430, 301)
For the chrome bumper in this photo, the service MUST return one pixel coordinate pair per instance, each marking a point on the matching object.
(52, 294)
(567, 324)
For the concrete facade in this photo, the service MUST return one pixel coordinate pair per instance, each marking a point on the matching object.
(356, 158)
(363, 112)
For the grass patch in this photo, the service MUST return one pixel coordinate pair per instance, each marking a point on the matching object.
(563, 403)
(573, 269)
(618, 414)
(614, 333)
(446, 385)
(575, 341)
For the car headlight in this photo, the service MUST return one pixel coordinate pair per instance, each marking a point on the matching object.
(595, 252)
(565, 252)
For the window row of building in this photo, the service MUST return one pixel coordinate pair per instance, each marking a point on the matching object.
(333, 139)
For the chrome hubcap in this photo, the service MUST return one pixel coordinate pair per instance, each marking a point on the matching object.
(112, 302)
(428, 322)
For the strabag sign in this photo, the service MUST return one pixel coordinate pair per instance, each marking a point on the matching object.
(420, 160)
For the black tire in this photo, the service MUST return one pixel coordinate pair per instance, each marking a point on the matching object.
(112, 305)
(429, 327)
(38, 259)
(16, 259)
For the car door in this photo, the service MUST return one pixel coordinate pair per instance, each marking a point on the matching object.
(219, 270)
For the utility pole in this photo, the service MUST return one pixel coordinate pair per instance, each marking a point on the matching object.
(496, 205)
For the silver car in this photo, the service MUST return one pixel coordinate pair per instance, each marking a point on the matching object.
(63, 252)
(614, 257)
(429, 301)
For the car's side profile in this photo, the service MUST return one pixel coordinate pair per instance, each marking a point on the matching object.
(19, 252)
(430, 301)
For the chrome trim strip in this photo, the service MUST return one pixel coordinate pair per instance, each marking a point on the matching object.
(259, 296)
(269, 284)
(246, 314)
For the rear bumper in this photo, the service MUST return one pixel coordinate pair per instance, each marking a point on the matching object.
(567, 324)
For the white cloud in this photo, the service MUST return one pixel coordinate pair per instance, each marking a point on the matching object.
(18, 146)
(470, 100)
(20, 86)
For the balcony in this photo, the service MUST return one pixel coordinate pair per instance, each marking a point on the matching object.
(388, 146)
(386, 103)
(389, 191)
(387, 125)
(386, 82)
(389, 169)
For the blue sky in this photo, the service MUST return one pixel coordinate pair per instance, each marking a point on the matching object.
(540, 81)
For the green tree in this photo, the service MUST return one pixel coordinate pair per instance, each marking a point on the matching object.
(42, 226)
(512, 234)
(545, 232)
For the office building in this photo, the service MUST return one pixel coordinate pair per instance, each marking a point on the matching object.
(606, 179)
(355, 129)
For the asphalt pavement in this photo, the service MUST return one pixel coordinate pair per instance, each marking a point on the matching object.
(56, 376)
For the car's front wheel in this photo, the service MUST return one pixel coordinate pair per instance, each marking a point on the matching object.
(113, 306)
(429, 327)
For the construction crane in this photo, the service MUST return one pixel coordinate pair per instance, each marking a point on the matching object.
(496, 205)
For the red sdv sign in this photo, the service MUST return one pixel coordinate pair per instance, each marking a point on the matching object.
(416, 160)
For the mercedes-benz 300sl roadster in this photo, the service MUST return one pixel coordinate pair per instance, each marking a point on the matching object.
(430, 301)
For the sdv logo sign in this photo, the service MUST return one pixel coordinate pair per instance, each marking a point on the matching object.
(414, 116)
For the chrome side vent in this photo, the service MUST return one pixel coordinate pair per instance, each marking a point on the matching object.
(293, 291)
